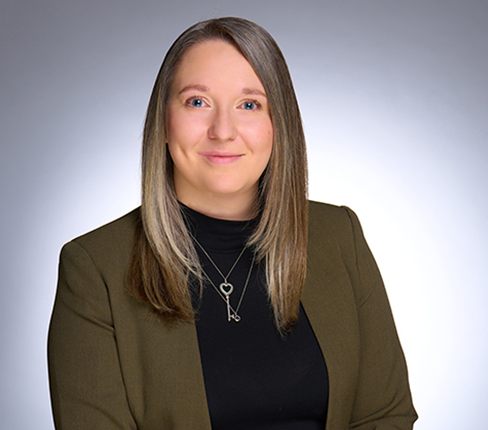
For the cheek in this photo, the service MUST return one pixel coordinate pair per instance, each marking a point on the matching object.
(258, 133)
(264, 136)
(174, 127)
(183, 129)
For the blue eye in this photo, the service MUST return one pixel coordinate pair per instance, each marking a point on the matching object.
(196, 102)
(249, 105)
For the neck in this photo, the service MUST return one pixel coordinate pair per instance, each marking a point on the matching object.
(222, 207)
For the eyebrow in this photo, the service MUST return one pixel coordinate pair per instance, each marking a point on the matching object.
(201, 88)
(253, 91)
(204, 89)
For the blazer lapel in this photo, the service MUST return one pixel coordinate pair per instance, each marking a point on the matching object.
(329, 303)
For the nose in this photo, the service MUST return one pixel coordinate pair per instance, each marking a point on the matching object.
(222, 127)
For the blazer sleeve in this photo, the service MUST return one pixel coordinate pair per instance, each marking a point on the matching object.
(382, 400)
(86, 383)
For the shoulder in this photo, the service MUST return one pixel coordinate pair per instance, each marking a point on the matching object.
(336, 236)
(109, 244)
(324, 212)
(335, 231)
(115, 231)
(334, 223)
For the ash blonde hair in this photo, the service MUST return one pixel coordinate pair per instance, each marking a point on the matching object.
(164, 258)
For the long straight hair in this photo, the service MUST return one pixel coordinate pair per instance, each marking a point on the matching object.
(164, 259)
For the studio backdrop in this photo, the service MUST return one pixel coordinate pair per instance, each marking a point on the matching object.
(394, 97)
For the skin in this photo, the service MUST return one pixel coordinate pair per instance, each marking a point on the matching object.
(219, 131)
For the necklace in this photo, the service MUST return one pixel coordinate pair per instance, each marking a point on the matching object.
(226, 288)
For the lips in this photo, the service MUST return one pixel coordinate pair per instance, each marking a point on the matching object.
(220, 158)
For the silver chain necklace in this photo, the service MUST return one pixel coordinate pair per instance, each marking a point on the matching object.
(226, 288)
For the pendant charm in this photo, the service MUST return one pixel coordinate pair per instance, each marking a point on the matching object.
(227, 289)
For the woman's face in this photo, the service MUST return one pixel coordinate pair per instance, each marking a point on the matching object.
(219, 129)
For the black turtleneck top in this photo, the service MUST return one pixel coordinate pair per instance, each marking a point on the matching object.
(254, 377)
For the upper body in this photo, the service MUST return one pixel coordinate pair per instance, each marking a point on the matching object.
(133, 346)
(113, 364)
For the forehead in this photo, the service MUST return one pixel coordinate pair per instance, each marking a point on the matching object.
(215, 61)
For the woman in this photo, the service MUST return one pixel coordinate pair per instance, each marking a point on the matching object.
(226, 300)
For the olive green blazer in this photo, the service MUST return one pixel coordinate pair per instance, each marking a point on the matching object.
(112, 365)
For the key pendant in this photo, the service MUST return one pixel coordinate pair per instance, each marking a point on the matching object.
(229, 315)
(227, 289)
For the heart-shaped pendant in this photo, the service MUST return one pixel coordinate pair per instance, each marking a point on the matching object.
(226, 288)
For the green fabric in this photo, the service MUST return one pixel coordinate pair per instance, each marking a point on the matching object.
(112, 365)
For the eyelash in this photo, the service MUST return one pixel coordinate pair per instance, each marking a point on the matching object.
(254, 102)
(191, 99)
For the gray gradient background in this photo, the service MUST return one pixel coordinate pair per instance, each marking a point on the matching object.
(394, 99)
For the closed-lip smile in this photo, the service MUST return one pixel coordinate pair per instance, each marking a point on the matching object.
(216, 157)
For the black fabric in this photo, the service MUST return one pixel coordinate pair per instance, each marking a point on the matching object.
(254, 378)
